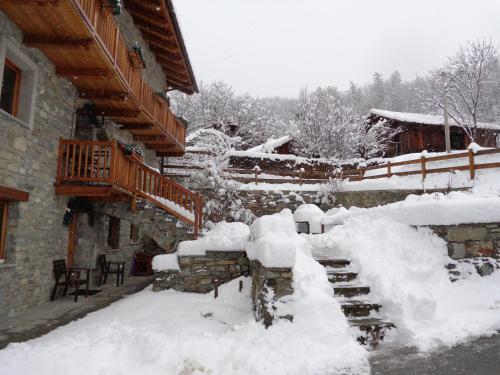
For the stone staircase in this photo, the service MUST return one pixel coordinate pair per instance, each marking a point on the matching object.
(360, 311)
(166, 230)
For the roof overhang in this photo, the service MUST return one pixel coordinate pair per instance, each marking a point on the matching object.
(157, 21)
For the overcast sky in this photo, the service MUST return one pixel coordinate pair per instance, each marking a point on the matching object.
(275, 47)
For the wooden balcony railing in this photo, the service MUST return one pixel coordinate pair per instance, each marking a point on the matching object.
(100, 19)
(106, 169)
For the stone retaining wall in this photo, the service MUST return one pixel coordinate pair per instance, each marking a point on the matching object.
(274, 163)
(470, 240)
(200, 274)
(269, 285)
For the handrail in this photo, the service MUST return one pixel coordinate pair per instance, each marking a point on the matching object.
(97, 163)
(100, 20)
(471, 166)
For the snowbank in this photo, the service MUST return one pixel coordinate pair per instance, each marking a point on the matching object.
(223, 237)
(166, 262)
(405, 268)
(274, 240)
(429, 209)
(311, 214)
(167, 333)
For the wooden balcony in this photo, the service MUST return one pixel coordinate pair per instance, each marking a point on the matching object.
(102, 171)
(82, 39)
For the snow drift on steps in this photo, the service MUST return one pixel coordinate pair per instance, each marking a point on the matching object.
(405, 268)
(171, 333)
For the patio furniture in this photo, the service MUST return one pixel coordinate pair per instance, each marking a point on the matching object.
(110, 268)
(69, 277)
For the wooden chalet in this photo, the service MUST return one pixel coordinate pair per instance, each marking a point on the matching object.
(418, 132)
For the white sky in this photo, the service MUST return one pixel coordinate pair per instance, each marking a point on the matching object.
(275, 47)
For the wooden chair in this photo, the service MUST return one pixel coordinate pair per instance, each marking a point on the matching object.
(69, 277)
(110, 268)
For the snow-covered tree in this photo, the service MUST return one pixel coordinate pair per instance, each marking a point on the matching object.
(324, 125)
(469, 80)
(374, 140)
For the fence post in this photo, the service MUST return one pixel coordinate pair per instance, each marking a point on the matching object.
(301, 171)
(472, 167)
(389, 170)
(424, 171)
(256, 169)
(361, 172)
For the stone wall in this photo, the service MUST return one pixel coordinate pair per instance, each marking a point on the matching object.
(471, 240)
(269, 285)
(200, 274)
(28, 161)
(269, 202)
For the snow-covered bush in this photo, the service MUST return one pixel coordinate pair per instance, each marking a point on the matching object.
(222, 202)
(327, 192)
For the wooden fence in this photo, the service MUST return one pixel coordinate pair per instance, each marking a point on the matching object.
(423, 169)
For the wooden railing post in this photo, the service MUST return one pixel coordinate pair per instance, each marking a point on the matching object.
(389, 170)
(424, 171)
(114, 161)
(361, 173)
(59, 162)
(301, 171)
(256, 170)
(472, 166)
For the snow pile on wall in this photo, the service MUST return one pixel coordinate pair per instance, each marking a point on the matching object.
(311, 214)
(166, 262)
(429, 209)
(274, 240)
(271, 145)
(405, 268)
(223, 237)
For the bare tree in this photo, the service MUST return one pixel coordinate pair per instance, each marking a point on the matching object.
(466, 78)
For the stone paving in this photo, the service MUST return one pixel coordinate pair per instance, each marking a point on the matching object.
(479, 357)
(42, 319)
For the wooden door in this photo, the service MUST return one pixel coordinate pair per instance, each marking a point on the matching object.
(70, 259)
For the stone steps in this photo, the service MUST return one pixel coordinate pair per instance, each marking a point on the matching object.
(359, 308)
(350, 290)
(359, 312)
(334, 263)
(372, 330)
(341, 276)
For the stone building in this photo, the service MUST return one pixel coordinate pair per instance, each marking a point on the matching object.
(73, 101)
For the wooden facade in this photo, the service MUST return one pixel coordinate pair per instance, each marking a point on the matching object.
(415, 137)
(83, 40)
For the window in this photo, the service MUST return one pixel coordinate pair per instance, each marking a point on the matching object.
(114, 233)
(11, 82)
(134, 233)
(18, 85)
(4, 208)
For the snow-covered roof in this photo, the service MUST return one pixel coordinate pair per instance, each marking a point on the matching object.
(271, 144)
(419, 118)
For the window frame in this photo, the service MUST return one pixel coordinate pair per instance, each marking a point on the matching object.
(3, 227)
(17, 85)
(27, 89)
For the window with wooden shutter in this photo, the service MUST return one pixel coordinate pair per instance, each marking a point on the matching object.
(114, 233)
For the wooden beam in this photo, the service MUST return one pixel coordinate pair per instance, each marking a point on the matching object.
(166, 54)
(169, 153)
(155, 41)
(136, 126)
(87, 73)
(155, 31)
(103, 94)
(44, 41)
(34, 2)
(148, 17)
(10, 194)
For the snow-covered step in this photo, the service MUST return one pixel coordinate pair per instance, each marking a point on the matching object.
(358, 308)
(350, 290)
(334, 263)
(372, 330)
(340, 276)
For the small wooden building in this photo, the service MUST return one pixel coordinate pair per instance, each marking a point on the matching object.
(420, 132)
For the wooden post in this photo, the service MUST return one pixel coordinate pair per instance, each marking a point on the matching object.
(389, 170)
(216, 288)
(72, 237)
(424, 171)
(301, 171)
(241, 285)
(256, 170)
(361, 172)
(472, 167)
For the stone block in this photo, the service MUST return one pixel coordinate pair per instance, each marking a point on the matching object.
(462, 234)
(483, 248)
(456, 250)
